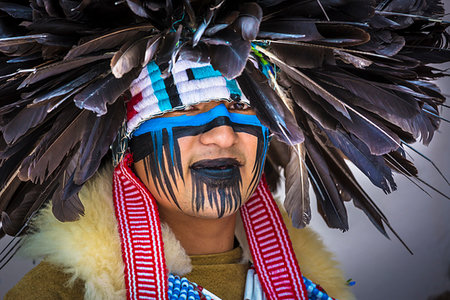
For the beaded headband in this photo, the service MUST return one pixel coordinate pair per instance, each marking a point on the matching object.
(188, 83)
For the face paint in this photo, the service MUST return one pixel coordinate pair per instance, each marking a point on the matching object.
(218, 181)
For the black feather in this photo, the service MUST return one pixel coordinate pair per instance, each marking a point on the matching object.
(290, 29)
(270, 109)
(107, 41)
(328, 200)
(95, 144)
(372, 166)
(17, 11)
(230, 60)
(103, 91)
(60, 67)
(249, 19)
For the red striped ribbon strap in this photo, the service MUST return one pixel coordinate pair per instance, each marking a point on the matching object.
(140, 233)
(271, 248)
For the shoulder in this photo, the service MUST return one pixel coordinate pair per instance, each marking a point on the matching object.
(46, 281)
(316, 262)
(87, 250)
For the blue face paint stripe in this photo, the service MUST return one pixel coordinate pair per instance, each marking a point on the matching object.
(158, 124)
(171, 143)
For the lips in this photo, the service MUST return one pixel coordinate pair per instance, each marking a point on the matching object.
(221, 168)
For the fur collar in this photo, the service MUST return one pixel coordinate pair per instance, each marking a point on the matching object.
(89, 249)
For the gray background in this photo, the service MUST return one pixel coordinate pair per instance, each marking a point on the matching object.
(382, 268)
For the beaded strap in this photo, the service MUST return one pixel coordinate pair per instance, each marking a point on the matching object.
(315, 292)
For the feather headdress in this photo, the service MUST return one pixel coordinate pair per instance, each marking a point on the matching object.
(332, 80)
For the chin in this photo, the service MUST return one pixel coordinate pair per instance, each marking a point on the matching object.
(211, 213)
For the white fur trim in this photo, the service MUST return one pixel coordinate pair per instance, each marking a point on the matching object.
(89, 249)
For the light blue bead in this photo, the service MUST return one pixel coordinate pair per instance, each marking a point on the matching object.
(181, 288)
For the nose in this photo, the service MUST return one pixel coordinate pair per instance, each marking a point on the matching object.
(223, 136)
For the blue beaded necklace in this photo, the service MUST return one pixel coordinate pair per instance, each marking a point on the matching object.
(182, 288)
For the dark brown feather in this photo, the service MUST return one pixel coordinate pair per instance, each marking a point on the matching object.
(359, 154)
(95, 144)
(305, 56)
(26, 119)
(65, 134)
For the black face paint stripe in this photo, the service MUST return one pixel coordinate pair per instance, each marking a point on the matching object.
(219, 121)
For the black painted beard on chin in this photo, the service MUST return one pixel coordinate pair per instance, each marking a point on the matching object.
(219, 182)
(215, 182)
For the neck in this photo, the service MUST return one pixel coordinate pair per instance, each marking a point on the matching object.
(200, 235)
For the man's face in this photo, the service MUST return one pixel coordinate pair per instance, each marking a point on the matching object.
(205, 161)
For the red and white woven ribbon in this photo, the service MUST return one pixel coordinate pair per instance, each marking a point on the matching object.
(140, 233)
(271, 248)
(142, 244)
